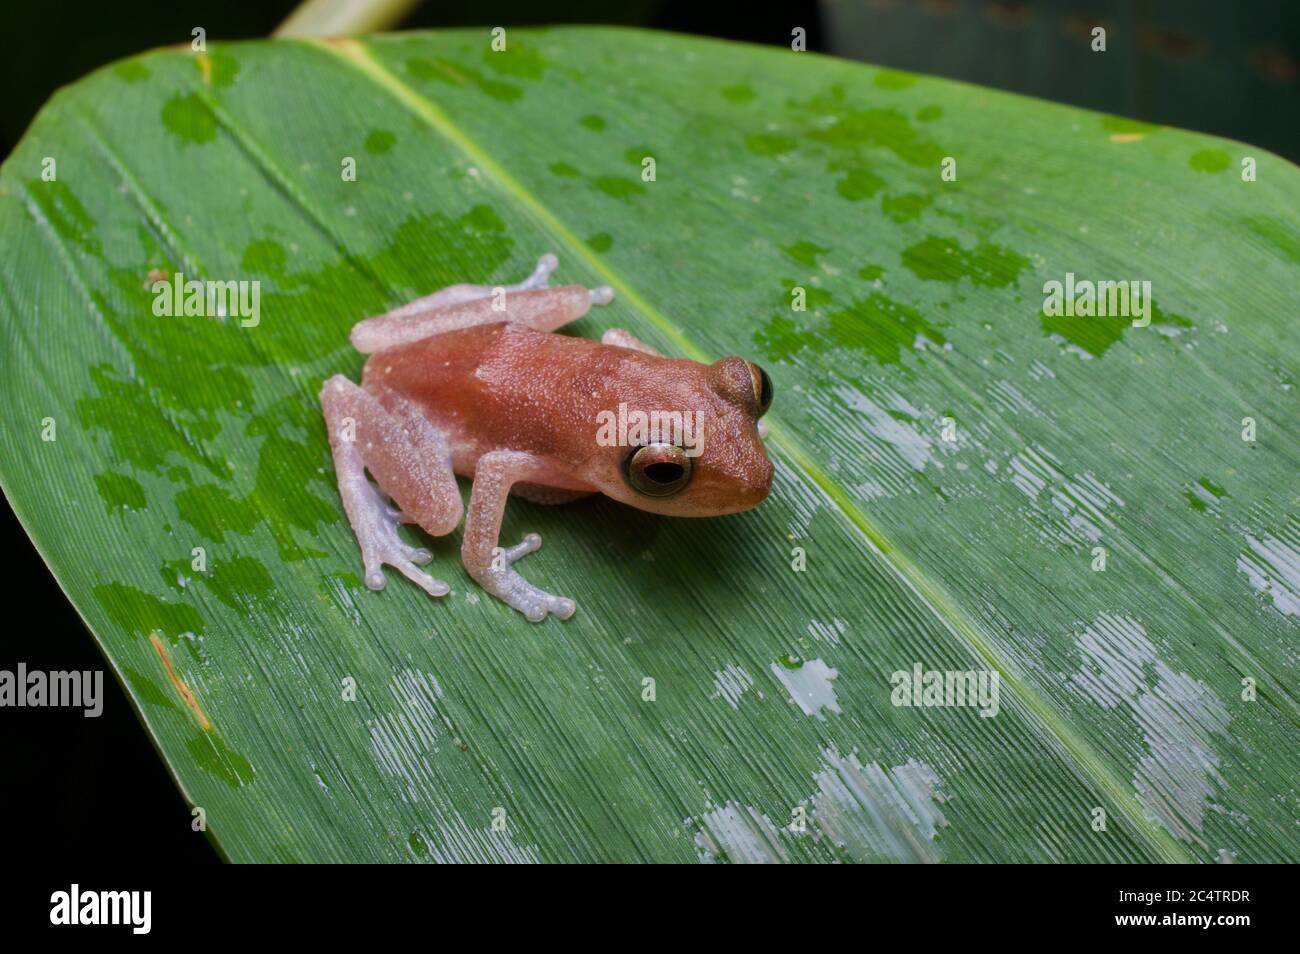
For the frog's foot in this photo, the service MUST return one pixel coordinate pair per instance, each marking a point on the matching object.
(411, 462)
(501, 580)
(376, 524)
(491, 565)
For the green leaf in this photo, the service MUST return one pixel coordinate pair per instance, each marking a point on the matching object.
(1123, 691)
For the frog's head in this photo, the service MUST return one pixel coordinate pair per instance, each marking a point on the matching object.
(716, 463)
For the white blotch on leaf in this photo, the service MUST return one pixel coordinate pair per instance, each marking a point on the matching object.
(402, 741)
(1079, 504)
(457, 843)
(876, 814)
(869, 813)
(1178, 716)
(828, 632)
(731, 683)
(1272, 564)
(739, 834)
(809, 686)
(903, 438)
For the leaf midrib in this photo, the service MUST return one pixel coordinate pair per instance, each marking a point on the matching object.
(356, 55)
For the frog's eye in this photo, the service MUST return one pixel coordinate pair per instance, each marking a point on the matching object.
(658, 470)
(762, 388)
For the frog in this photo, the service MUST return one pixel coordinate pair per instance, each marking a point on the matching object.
(476, 380)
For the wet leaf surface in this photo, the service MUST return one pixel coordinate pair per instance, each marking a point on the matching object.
(475, 736)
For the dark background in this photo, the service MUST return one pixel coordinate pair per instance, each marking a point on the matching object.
(1228, 67)
(78, 789)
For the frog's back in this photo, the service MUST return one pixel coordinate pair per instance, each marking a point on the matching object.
(504, 385)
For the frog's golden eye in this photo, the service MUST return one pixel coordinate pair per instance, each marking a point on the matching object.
(658, 470)
(762, 388)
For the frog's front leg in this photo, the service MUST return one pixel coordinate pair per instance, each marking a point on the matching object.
(411, 463)
(486, 562)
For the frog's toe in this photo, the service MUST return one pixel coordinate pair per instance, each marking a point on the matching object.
(545, 265)
(421, 579)
(418, 555)
(377, 533)
(537, 604)
(530, 543)
(406, 563)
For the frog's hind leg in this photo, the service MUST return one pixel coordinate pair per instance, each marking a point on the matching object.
(410, 460)
(531, 302)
